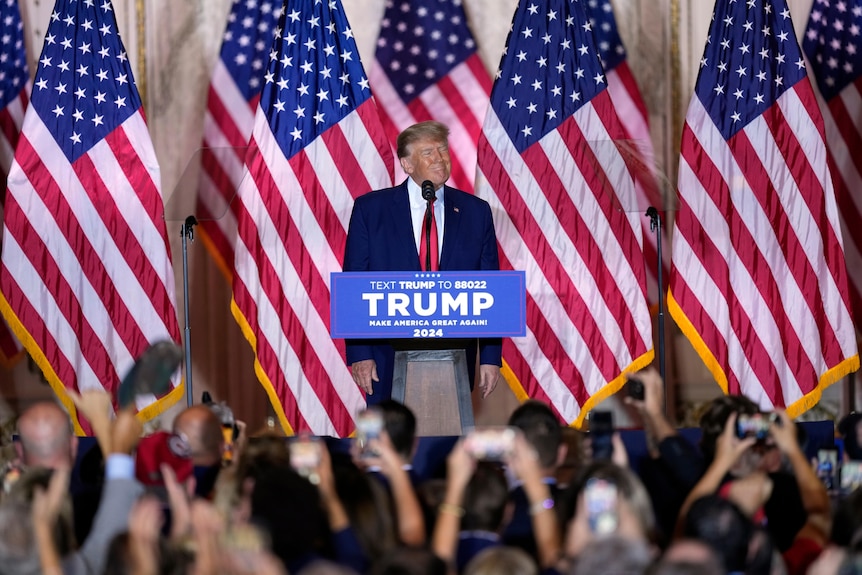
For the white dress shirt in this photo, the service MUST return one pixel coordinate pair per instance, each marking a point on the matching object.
(417, 213)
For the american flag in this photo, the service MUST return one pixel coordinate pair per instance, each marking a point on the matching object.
(830, 43)
(758, 282)
(556, 180)
(632, 112)
(14, 80)
(85, 275)
(427, 68)
(232, 99)
(317, 143)
(14, 96)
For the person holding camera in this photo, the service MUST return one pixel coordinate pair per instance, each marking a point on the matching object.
(794, 506)
(449, 530)
(791, 501)
(542, 431)
(609, 501)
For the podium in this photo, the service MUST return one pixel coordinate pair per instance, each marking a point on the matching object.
(426, 317)
(435, 385)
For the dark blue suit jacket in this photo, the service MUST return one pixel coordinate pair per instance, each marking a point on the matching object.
(380, 238)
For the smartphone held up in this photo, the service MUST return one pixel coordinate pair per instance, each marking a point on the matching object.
(493, 443)
(305, 454)
(601, 434)
(600, 499)
(369, 426)
(755, 425)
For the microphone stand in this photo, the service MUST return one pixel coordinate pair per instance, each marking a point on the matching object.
(427, 226)
(187, 232)
(429, 195)
(655, 226)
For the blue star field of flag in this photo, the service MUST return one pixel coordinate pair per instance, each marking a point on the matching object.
(751, 58)
(84, 86)
(247, 41)
(550, 69)
(13, 58)
(611, 50)
(415, 33)
(314, 78)
(831, 44)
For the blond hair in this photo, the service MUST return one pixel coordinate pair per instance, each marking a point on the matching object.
(431, 130)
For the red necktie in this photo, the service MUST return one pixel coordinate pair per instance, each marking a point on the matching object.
(429, 239)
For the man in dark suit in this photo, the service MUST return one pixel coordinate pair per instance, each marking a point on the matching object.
(385, 235)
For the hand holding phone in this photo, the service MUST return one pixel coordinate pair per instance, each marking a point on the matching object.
(600, 499)
(305, 454)
(827, 467)
(755, 425)
(494, 443)
(601, 432)
(369, 426)
(851, 476)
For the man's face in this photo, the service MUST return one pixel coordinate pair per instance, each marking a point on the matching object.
(428, 160)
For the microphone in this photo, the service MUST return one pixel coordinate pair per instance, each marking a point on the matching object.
(429, 196)
(428, 191)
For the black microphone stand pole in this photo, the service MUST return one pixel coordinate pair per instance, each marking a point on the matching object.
(655, 227)
(187, 233)
(427, 227)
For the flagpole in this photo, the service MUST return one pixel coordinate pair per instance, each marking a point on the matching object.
(187, 233)
(655, 226)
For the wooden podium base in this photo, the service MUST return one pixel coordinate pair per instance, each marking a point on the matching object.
(434, 384)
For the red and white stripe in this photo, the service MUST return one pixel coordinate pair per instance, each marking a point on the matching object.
(843, 119)
(587, 315)
(641, 160)
(11, 120)
(291, 236)
(758, 281)
(459, 100)
(86, 270)
(228, 124)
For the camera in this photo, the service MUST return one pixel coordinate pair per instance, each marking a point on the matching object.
(634, 388)
(490, 443)
(755, 425)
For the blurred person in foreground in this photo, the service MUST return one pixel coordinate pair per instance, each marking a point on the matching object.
(792, 501)
(688, 557)
(542, 431)
(502, 561)
(388, 459)
(39, 532)
(45, 437)
(203, 431)
(799, 527)
(452, 536)
(609, 501)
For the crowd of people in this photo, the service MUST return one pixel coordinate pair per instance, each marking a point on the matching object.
(195, 500)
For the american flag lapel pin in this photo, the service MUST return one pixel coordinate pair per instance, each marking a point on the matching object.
(457, 210)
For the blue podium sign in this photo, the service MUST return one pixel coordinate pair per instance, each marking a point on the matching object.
(428, 304)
